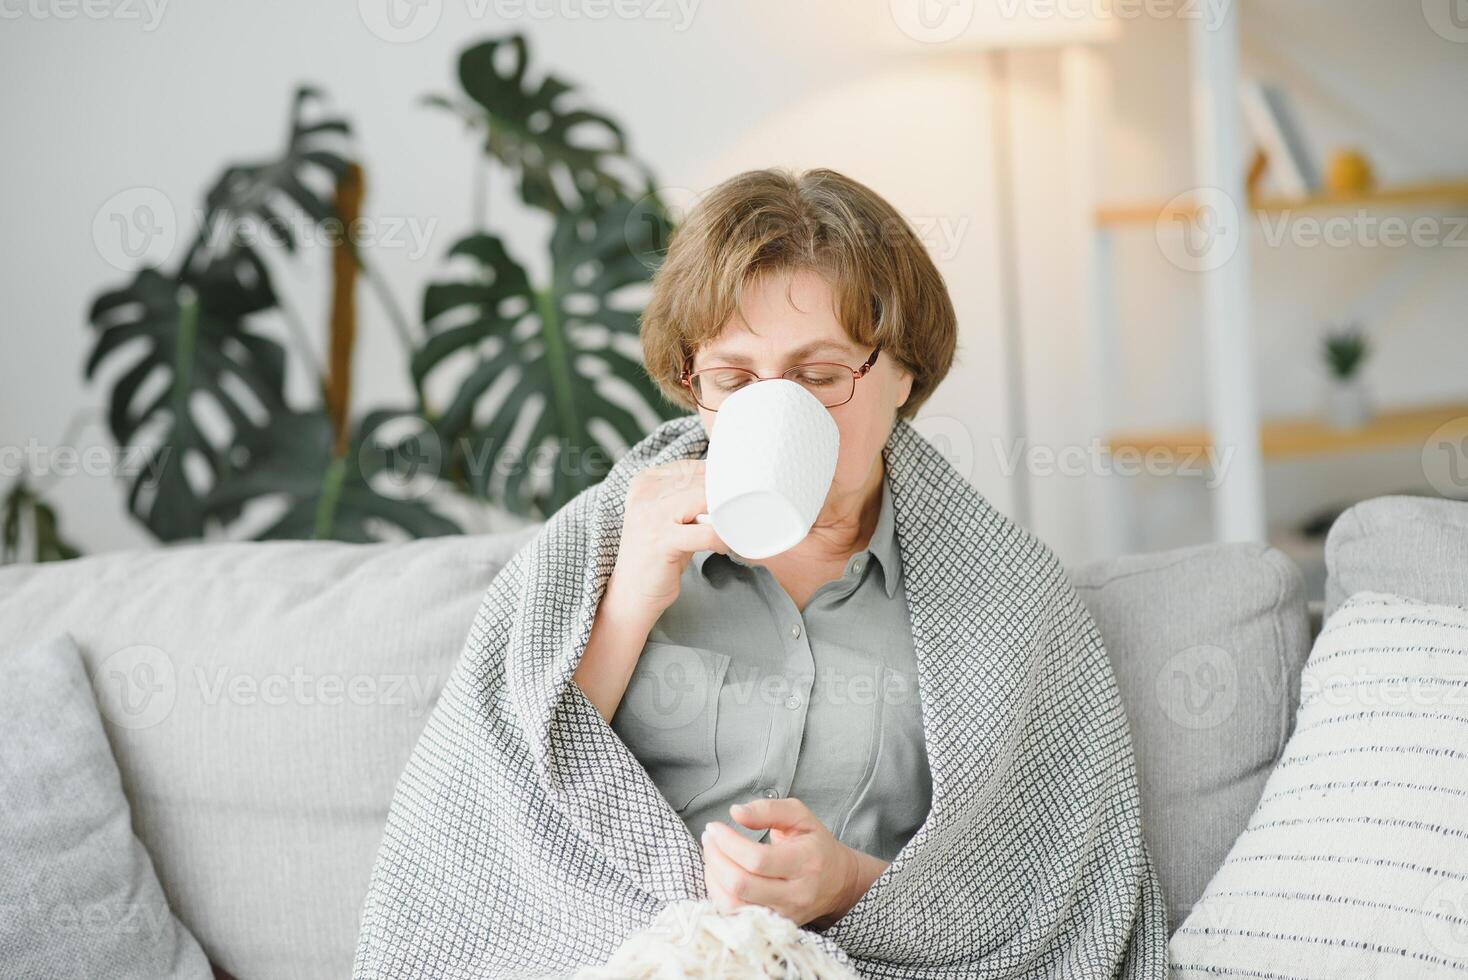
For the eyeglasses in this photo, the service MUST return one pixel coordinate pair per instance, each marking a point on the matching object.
(833, 384)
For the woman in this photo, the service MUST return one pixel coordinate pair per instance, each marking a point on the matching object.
(812, 739)
(902, 733)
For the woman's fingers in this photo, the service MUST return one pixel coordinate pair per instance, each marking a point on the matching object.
(766, 860)
(783, 814)
(737, 884)
(699, 537)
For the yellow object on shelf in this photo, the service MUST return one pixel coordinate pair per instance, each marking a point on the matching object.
(1348, 173)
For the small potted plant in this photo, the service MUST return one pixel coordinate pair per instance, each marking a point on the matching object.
(1348, 404)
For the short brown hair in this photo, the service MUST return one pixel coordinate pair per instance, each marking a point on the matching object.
(886, 288)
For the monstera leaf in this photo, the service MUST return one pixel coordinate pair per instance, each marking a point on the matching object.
(191, 333)
(303, 176)
(335, 497)
(544, 357)
(28, 517)
(565, 154)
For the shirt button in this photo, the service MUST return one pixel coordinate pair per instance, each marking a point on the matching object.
(856, 566)
(795, 631)
(792, 702)
(771, 793)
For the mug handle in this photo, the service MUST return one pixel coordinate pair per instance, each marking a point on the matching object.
(702, 519)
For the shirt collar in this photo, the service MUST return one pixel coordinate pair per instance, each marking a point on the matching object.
(883, 545)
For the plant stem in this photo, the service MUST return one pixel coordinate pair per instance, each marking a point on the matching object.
(331, 492)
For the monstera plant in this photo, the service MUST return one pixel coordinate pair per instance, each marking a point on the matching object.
(567, 347)
(554, 385)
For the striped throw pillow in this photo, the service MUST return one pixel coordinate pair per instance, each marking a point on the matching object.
(1355, 863)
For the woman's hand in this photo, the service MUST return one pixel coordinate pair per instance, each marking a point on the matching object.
(804, 872)
(659, 536)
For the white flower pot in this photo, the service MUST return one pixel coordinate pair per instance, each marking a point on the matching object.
(1347, 403)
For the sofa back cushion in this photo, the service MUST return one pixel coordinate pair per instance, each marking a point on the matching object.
(1207, 644)
(261, 700)
(1409, 546)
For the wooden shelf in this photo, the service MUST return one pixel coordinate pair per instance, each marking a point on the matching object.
(1450, 193)
(1291, 438)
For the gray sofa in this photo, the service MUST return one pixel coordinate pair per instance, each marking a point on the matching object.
(295, 677)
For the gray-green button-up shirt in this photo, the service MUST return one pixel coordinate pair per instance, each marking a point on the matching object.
(739, 694)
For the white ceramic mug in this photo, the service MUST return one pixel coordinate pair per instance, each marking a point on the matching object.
(771, 458)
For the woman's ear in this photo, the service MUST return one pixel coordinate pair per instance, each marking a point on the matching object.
(904, 387)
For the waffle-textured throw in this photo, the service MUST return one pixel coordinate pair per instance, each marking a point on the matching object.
(525, 839)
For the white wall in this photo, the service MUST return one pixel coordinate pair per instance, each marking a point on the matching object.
(97, 107)
(93, 107)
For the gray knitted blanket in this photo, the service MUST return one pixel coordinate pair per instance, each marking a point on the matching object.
(525, 840)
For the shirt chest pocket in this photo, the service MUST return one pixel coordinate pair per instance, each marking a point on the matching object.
(669, 715)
